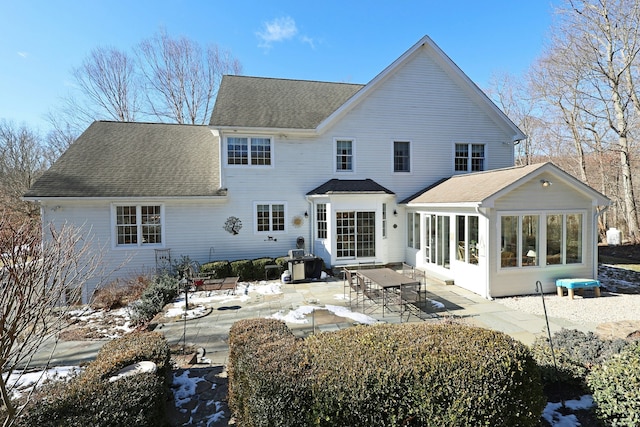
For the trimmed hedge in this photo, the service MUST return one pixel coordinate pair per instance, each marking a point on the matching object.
(90, 399)
(383, 375)
(616, 388)
(216, 269)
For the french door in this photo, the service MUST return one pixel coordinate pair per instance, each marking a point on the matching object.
(436, 230)
(355, 234)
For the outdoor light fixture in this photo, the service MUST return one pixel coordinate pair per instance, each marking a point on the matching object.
(395, 212)
(306, 214)
(545, 183)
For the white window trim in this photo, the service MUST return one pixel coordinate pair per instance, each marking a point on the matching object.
(542, 247)
(469, 143)
(334, 157)
(255, 218)
(140, 244)
(249, 138)
(393, 156)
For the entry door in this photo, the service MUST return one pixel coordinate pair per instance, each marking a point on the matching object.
(437, 248)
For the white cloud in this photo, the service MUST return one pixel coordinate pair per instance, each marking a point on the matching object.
(278, 30)
(23, 54)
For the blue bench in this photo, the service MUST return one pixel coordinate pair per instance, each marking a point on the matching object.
(579, 284)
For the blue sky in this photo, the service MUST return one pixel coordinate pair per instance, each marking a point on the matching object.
(342, 41)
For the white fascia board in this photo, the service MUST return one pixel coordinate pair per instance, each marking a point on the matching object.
(230, 130)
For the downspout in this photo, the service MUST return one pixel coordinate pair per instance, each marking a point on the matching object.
(486, 250)
(312, 243)
(595, 240)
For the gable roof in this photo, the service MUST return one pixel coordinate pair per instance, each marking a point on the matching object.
(484, 187)
(258, 102)
(124, 159)
(425, 44)
(349, 186)
(267, 103)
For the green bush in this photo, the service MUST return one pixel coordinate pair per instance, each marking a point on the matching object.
(90, 399)
(616, 388)
(259, 265)
(266, 378)
(382, 375)
(216, 269)
(243, 269)
(283, 262)
(159, 293)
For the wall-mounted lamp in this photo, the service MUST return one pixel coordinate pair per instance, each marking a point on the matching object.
(545, 183)
(306, 214)
(395, 212)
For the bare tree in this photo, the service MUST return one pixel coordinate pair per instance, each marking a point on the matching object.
(37, 278)
(22, 161)
(108, 79)
(604, 38)
(181, 79)
(513, 97)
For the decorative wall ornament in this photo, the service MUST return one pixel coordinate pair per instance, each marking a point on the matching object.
(233, 225)
(297, 221)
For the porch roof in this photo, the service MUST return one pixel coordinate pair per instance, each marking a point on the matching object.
(337, 186)
(483, 186)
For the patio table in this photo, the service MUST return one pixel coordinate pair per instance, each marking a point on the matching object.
(389, 281)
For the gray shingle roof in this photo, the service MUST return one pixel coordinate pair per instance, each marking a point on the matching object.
(123, 159)
(277, 103)
(473, 187)
(334, 186)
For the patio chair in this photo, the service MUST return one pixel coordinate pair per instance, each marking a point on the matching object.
(410, 299)
(350, 284)
(372, 295)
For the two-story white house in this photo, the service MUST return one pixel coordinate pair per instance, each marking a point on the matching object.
(416, 166)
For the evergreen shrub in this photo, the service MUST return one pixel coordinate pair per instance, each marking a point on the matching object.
(382, 375)
(91, 400)
(616, 388)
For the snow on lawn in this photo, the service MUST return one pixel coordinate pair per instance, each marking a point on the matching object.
(554, 416)
(184, 390)
(118, 321)
(23, 382)
(200, 301)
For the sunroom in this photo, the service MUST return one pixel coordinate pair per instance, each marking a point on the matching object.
(498, 232)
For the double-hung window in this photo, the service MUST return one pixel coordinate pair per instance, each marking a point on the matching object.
(270, 217)
(344, 155)
(401, 156)
(321, 220)
(469, 157)
(255, 151)
(138, 225)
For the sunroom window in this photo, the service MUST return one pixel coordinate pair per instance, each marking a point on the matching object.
(541, 239)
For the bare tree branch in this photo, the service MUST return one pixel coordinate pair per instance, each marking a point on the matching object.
(38, 279)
